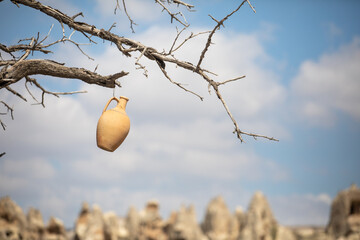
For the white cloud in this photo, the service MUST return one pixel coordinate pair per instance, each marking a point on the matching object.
(329, 85)
(175, 140)
(334, 30)
(307, 209)
(64, 6)
(140, 11)
(29, 168)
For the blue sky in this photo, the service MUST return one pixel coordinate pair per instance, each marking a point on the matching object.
(302, 82)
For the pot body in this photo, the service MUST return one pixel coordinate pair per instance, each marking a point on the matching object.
(113, 126)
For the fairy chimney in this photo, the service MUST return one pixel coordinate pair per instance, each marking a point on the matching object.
(133, 223)
(184, 226)
(260, 223)
(152, 227)
(115, 227)
(345, 213)
(35, 223)
(12, 220)
(90, 224)
(219, 223)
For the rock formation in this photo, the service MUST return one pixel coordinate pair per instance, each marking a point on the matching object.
(115, 227)
(152, 227)
(55, 230)
(90, 224)
(12, 220)
(260, 223)
(184, 226)
(35, 224)
(240, 216)
(15, 226)
(219, 223)
(133, 223)
(345, 215)
(257, 223)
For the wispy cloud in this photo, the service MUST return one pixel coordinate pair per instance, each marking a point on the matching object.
(174, 141)
(302, 209)
(330, 85)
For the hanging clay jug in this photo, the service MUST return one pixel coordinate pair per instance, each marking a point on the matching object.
(113, 125)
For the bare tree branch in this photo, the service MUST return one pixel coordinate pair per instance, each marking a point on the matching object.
(131, 21)
(55, 69)
(44, 91)
(173, 15)
(126, 46)
(15, 93)
(179, 84)
(187, 5)
(192, 35)
(251, 6)
(219, 23)
(8, 108)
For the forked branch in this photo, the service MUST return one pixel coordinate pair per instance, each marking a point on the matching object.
(127, 47)
(219, 23)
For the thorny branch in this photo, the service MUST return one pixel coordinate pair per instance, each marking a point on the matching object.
(44, 91)
(192, 35)
(219, 23)
(128, 47)
(174, 15)
(8, 108)
(13, 70)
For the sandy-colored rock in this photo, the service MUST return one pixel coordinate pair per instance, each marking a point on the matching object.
(115, 227)
(219, 223)
(260, 223)
(184, 226)
(345, 214)
(55, 230)
(90, 224)
(240, 216)
(284, 233)
(152, 227)
(132, 223)
(35, 224)
(12, 220)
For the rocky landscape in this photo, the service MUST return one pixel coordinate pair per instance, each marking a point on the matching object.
(257, 223)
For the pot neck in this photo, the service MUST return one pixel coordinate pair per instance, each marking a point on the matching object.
(122, 102)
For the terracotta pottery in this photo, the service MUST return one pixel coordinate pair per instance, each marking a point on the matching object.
(113, 125)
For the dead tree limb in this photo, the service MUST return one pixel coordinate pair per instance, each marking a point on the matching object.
(127, 47)
(55, 69)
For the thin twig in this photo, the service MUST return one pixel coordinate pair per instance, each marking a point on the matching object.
(213, 32)
(178, 84)
(112, 26)
(8, 109)
(230, 80)
(15, 93)
(251, 6)
(173, 15)
(188, 6)
(176, 38)
(190, 37)
(76, 15)
(127, 14)
(44, 91)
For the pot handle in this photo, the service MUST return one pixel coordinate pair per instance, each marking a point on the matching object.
(113, 98)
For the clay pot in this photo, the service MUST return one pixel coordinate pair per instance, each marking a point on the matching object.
(113, 125)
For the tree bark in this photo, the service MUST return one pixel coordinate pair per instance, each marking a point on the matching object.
(50, 68)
